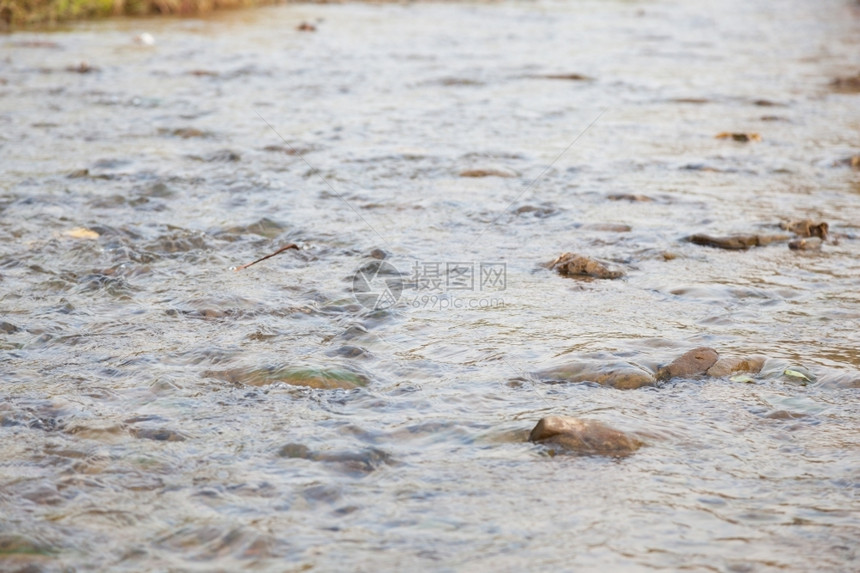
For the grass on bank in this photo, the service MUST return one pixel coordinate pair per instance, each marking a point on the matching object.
(22, 13)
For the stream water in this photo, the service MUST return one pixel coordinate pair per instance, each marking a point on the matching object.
(161, 411)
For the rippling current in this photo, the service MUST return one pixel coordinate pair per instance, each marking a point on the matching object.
(161, 411)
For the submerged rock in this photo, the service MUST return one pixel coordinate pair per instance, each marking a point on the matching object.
(83, 68)
(735, 364)
(222, 156)
(14, 544)
(810, 244)
(853, 162)
(378, 254)
(608, 227)
(741, 137)
(585, 437)
(850, 84)
(488, 172)
(692, 363)
(620, 375)
(158, 434)
(318, 378)
(359, 462)
(632, 197)
(570, 77)
(784, 415)
(573, 265)
(736, 242)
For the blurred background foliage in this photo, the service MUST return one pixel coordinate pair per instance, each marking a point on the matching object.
(22, 13)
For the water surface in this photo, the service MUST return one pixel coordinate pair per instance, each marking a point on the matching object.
(144, 426)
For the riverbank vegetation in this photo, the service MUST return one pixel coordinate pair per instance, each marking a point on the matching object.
(23, 13)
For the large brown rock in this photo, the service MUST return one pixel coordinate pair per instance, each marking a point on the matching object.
(692, 363)
(620, 375)
(585, 437)
(735, 364)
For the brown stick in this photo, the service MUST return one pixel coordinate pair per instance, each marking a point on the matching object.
(278, 252)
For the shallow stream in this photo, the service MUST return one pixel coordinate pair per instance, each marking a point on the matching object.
(161, 411)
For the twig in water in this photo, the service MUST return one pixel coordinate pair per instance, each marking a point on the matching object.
(278, 252)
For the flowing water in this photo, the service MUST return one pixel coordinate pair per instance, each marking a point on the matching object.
(159, 409)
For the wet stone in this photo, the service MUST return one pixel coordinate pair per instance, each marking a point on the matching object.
(735, 242)
(539, 212)
(223, 156)
(318, 378)
(573, 77)
(158, 434)
(692, 100)
(183, 132)
(356, 463)
(700, 167)
(8, 327)
(734, 364)
(13, 544)
(849, 84)
(811, 244)
(347, 351)
(584, 437)
(289, 149)
(784, 415)
(359, 462)
(78, 174)
(608, 227)
(692, 363)
(853, 161)
(488, 172)
(766, 103)
(295, 451)
(632, 197)
(82, 68)
(573, 265)
(739, 137)
(459, 82)
(97, 431)
(807, 228)
(353, 332)
(265, 227)
(619, 375)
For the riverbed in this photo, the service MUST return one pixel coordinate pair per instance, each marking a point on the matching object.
(164, 411)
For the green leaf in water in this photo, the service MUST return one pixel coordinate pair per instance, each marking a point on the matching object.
(743, 378)
(797, 374)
